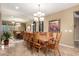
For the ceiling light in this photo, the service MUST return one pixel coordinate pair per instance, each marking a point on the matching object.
(17, 7)
(39, 15)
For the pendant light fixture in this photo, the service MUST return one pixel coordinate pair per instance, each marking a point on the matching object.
(39, 16)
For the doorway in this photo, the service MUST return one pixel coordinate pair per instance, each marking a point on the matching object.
(76, 29)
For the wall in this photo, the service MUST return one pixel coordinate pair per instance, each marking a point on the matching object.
(0, 24)
(21, 27)
(67, 23)
(0, 28)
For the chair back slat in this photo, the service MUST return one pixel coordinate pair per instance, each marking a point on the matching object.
(58, 37)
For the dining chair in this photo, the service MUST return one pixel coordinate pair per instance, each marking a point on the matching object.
(43, 38)
(57, 42)
(36, 44)
(53, 45)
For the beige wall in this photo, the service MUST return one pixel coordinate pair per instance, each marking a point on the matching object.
(67, 23)
(28, 24)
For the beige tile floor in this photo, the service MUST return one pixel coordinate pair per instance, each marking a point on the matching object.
(19, 49)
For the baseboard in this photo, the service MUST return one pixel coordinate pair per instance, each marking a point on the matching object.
(66, 45)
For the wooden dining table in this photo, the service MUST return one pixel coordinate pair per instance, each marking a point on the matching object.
(43, 40)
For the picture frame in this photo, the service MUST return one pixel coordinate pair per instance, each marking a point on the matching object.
(54, 26)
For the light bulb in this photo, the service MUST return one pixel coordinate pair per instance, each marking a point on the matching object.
(35, 19)
(42, 19)
(43, 14)
(34, 14)
(39, 12)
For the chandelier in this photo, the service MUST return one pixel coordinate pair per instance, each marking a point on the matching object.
(39, 16)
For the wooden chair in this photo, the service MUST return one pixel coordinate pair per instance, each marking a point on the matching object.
(43, 38)
(24, 38)
(57, 42)
(29, 40)
(36, 45)
(54, 44)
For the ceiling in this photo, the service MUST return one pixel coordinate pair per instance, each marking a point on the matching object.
(25, 11)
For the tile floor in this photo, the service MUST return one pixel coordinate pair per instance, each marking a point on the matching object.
(19, 49)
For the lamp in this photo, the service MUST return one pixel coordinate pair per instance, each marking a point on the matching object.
(39, 15)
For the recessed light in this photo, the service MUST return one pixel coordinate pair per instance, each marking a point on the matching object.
(17, 7)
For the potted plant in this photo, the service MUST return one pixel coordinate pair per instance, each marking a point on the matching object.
(5, 37)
